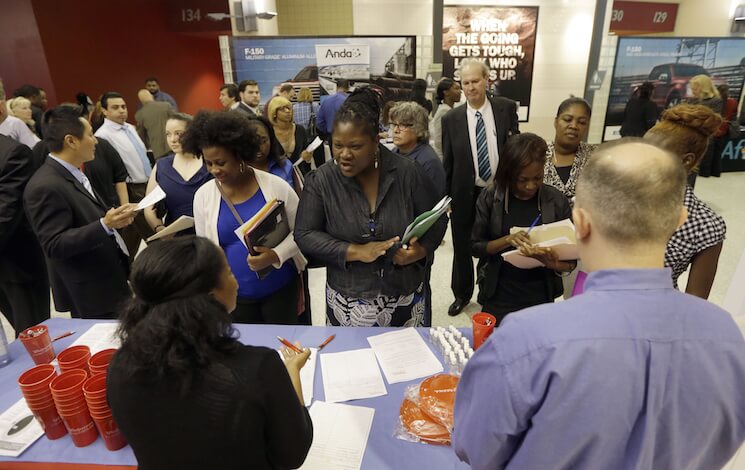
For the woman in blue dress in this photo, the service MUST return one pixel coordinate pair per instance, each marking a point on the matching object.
(271, 156)
(179, 175)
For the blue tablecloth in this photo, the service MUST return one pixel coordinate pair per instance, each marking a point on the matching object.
(383, 450)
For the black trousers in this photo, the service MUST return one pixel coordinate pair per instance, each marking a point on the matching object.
(25, 304)
(278, 308)
(462, 280)
(140, 229)
(711, 164)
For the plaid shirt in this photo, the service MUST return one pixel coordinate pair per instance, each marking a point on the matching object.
(302, 113)
(703, 229)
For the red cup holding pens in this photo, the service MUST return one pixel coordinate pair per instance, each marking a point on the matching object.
(37, 342)
(483, 326)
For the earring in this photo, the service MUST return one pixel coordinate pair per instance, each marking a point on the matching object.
(376, 162)
(377, 154)
(242, 168)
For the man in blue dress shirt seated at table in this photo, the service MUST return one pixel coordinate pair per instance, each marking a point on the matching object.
(632, 374)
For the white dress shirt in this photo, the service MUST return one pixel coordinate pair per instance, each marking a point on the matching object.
(491, 139)
(117, 136)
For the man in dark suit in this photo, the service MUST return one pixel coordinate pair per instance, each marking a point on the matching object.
(473, 136)
(250, 97)
(87, 258)
(24, 285)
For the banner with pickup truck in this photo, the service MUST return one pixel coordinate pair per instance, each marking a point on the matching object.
(669, 63)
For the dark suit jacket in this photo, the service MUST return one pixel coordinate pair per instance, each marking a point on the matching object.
(21, 259)
(87, 270)
(243, 107)
(457, 157)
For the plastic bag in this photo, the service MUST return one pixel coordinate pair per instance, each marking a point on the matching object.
(426, 413)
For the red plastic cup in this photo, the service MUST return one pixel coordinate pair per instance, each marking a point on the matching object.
(37, 378)
(50, 422)
(99, 362)
(112, 436)
(40, 402)
(483, 326)
(81, 428)
(75, 357)
(37, 342)
(95, 386)
(68, 383)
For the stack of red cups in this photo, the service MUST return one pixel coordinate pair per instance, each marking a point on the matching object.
(74, 357)
(95, 394)
(99, 362)
(34, 385)
(67, 391)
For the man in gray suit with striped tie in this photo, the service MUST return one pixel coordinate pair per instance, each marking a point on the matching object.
(472, 138)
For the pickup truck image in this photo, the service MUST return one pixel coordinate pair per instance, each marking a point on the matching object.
(671, 83)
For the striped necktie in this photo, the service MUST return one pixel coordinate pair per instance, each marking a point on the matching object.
(482, 149)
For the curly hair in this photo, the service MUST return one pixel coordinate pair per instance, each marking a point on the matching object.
(412, 113)
(361, 108)
(172, 326)
(685, 128)
(276, 152)
(228, 130)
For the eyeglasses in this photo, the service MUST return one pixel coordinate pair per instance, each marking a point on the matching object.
(401, 126)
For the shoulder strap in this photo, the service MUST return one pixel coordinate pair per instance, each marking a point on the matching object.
(230, 204)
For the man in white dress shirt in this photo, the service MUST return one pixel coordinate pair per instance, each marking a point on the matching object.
(123, 136)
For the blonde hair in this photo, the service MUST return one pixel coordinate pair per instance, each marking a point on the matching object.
(2, 91)
(13, 103)
(276, 103)
(685, 128)
(708, 90)
(304, 95)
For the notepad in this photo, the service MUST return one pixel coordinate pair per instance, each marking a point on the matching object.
(403, 355)
(559, 236)
(308, 376)
(351, 375)
(340, 435)
(182, 223)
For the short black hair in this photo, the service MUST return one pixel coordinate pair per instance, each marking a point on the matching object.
(27, 91)
(107, 96)
(59, 122)
(286, 87)
(244, 83)
(362, 108)
(445, 84)
(520, 151)
(342, 83)
(276, 152)
(231, 89)
(152, 79)
(227, 129)
(571, 101)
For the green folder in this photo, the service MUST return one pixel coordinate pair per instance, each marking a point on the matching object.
(424, 221)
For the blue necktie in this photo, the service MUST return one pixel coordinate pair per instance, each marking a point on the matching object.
(140, 150)
(482, 149)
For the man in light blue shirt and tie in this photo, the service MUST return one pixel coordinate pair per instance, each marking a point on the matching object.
(632, 374)
(123, 136)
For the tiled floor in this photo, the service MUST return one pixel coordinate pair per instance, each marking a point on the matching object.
(726, 195)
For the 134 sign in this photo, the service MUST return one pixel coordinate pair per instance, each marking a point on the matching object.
(643, 17)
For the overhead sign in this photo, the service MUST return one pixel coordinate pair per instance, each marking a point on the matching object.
(347, 61)
(641, 17)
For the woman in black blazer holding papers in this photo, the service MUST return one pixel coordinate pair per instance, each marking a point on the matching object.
(352, 213)
(517, 197)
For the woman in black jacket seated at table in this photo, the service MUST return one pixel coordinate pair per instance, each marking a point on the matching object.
(516, 198)
(184, 392)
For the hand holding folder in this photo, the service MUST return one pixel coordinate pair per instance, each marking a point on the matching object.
(425, 221)
(264, 231)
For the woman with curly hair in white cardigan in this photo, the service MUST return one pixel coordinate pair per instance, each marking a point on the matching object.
(229, 145)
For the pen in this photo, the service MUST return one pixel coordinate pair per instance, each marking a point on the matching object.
(289, 345)
(327, 341)
(535, 221)
(63, 335)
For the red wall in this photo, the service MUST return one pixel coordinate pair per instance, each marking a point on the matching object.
(22, 58)
(113, 45)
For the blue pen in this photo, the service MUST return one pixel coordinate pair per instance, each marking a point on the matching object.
(535, 221)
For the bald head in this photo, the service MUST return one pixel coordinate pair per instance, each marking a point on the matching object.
(633, 192)
(145, 96)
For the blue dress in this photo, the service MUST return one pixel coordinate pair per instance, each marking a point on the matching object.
(179, 193)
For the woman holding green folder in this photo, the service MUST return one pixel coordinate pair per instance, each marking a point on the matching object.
(352, 216)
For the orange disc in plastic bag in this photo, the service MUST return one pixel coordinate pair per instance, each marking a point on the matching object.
(421, 425)
(437, 398)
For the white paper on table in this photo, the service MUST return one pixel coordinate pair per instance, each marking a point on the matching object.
(18, 429)
(340, 435)
(351, 375)
(155, 196)
(403, 355)
(99, 337)
(308, 376)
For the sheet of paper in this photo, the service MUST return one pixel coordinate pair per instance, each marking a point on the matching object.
(546, 232)
(565, 249)
(99, 337)
(340, 435)
(182, 223)
(351, 375)
(314, 145)
(155, 195)
(308, 376)
(18, 429)
(403, 355)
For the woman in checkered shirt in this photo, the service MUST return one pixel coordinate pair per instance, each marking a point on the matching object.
(686, 131)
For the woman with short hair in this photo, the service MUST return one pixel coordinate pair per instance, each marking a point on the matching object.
(448, 95)
(20, 107)
(183, 391)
